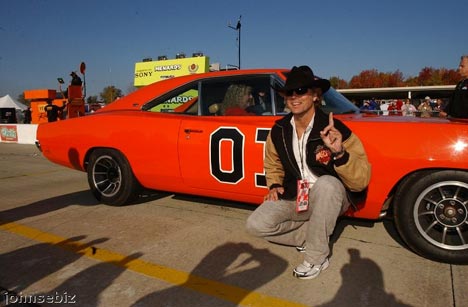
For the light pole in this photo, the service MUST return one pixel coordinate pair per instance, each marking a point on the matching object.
(238, 29)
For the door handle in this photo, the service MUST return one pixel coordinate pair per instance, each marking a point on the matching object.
(188, 131)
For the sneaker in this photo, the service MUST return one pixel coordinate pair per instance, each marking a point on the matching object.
(309, 271)
(301, 249)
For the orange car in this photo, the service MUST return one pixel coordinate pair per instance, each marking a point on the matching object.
(172, 136)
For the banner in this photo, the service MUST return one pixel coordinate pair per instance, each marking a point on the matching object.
(8, 133)
(170, 105)
(153, 71)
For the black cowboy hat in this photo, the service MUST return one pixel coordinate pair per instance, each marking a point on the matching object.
(303, 76)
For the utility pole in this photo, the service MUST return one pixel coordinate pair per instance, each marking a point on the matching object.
(238, 29)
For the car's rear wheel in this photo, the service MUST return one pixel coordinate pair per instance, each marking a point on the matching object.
(431, 215)
(110, 177)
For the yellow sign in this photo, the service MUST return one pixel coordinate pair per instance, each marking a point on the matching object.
(153, 71)
(177, 101)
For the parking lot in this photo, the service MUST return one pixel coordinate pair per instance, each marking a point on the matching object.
(59, 244)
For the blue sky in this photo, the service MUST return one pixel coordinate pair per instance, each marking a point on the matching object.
(45, 39)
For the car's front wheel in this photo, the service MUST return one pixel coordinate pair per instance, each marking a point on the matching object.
(110, 177)
(431, 215)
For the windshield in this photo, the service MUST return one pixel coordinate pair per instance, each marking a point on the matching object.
(335, 102)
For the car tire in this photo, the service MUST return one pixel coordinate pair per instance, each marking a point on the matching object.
(110, 178)
(431, 215)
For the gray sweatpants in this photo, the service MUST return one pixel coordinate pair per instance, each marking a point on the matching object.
(278, 221)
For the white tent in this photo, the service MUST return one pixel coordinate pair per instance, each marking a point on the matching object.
(8, 102)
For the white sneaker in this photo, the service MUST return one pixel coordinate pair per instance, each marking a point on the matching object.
(301, 249)
(306, 270)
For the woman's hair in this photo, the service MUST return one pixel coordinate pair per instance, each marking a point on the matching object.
(233, 95)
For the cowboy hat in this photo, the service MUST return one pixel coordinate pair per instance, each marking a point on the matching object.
(303, 76)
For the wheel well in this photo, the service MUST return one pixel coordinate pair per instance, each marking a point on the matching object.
(93, 149)
(390, 202)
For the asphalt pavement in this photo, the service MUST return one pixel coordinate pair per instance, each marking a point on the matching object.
(59, 246)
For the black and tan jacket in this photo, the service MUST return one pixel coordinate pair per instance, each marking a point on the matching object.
(282, 170)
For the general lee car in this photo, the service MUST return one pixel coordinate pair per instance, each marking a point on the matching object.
(171, 136)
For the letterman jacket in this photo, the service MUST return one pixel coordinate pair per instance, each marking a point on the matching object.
(352, 169)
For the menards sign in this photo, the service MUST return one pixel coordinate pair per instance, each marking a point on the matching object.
(153, 71)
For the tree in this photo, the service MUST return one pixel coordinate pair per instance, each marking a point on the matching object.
(394, 79)
(437, 76)
(412, 81)
(110, 93)
(367, 78)
(338, 83)
(23, 100)
(427, 76)
(450, 76)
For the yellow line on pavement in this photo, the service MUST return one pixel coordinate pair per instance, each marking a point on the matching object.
(222, 291)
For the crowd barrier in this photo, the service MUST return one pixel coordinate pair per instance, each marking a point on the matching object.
(18, 133)
(400, 113)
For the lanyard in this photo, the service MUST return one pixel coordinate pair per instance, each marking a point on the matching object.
(302, 149)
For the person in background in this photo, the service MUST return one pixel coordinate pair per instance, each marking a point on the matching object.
(439, 105)
(458, 103)
(384, 107)
(27, 116)
(408, 109)
(392, 108)
(425, 107)
(432, 103)
(316, 167)
(261, 104)
(370, 105)
(53, 111)
(76, 80)
(237, 100)
(366, 106)
(399, 104)
(374, 105)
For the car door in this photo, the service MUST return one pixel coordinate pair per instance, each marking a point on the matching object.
(223, 155)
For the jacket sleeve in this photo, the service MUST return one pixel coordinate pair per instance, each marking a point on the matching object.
(273, 167)
(354, 168)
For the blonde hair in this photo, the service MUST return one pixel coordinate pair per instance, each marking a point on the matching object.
(317, 91)
(233, 95)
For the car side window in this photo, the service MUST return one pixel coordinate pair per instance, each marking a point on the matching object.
(215, 96)
(181, 100)
(237, 96)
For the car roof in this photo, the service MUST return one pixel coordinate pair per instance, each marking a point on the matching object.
(133, 100)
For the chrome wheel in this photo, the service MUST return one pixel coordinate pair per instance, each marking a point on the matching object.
(431, 214)
(441, 215)
(107, 176)
(110, 177)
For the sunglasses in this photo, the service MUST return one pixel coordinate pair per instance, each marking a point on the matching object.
(298, 91)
